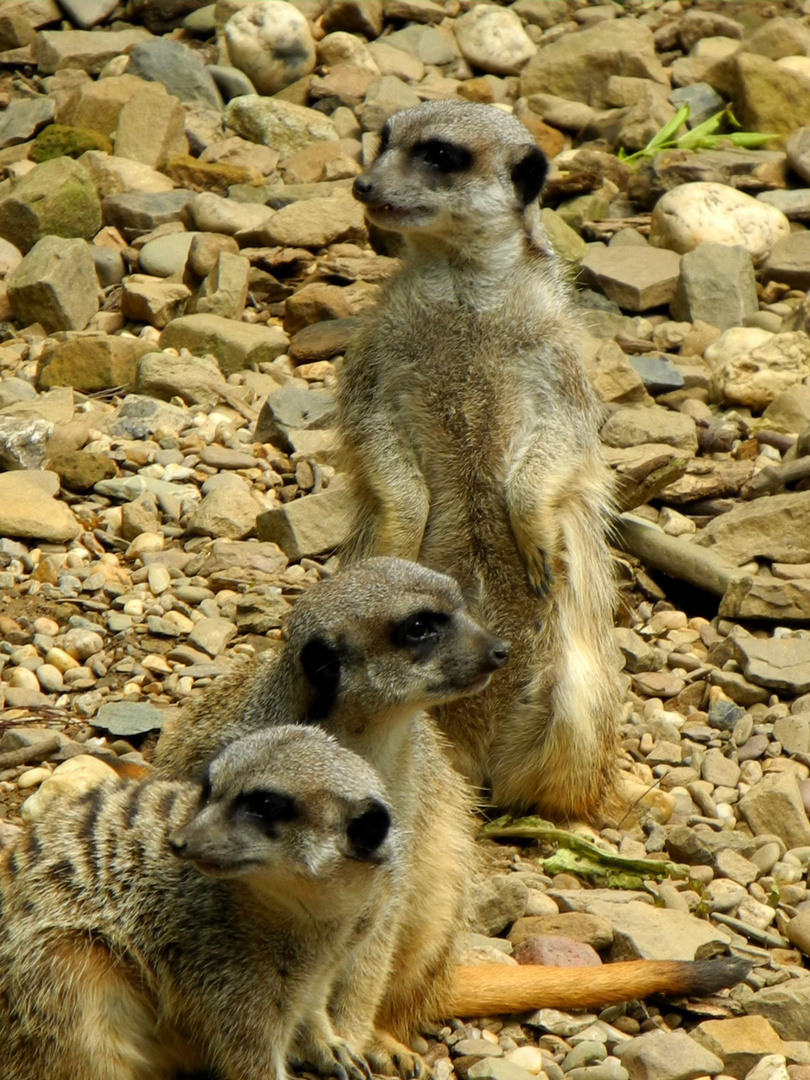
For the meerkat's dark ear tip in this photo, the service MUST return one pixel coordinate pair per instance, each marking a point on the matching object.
(529, 174)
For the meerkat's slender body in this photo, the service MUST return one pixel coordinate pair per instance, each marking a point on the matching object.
(366, 653)
(470, 435)
(156, 927)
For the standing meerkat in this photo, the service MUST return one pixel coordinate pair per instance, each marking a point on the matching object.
(470, 438)
(156, 927)
(366, 653)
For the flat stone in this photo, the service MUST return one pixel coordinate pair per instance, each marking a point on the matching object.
(84, 49)
(212, 213)
(264, 558)
(641, 932)
(136, 213)
(779, 663)
(793, 732)
(309, 526)
(136, 418)
(795, 204)
(497, 1069)
(633, 283)
(739, 1042)
(314, 223)
(774, 528)
(151, 300)
(28, 507)
(235, 345)
(126, 718)
(717, 285)
(635, 426)
(166, 255)
(80, 470)
(578, 926)
(797, 931)
(790, 410)
(224, 291)
(120, 176)
(493, 39)
(734, 866)
(658, 373)
(151, 127)
(212, 635)
(774, 805)
(668, 1055)
(22, 119)
(322, 340)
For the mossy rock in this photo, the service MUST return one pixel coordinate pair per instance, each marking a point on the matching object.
(59, 140)
(196, 175)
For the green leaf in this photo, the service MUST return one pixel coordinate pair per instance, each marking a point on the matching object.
(668, 130)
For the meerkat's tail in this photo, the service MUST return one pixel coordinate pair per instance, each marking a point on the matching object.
(492, 989)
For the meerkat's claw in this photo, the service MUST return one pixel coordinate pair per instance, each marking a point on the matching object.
(351, 1065)
(540, 572)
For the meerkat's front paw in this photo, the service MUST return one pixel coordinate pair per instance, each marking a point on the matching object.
(334, 1058)
(391, 1058)
(539, 570)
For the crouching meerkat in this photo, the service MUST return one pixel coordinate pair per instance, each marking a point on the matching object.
(470, 439)
(366, 653)
(154, 927)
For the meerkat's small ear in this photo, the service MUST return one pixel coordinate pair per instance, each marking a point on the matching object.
(528, 174)
(321, 664)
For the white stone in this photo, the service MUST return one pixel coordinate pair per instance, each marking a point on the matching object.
(698, 213)
(493, 39)
(23, 679)
(270, 41)
(344, 48)
(81, 773)
(82, 644)
(752, 367)
(50, 678)
(147, 541)
(31, 777)
(28, 507)
(159, 579)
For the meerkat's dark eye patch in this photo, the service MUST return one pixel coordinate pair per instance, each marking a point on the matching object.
(443, 156)
(385, 138)
(368, 830)
(529, 175)
(321, 664)
(420, 632)
(268, 808)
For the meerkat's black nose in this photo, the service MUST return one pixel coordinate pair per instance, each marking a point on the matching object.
(498, 653)
(177, 843)
(362, 188)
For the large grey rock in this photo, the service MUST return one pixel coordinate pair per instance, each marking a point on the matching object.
(312, 525)
(775, 528)
(633, 426)
(779, 663)
(789, 261)
(577, 66)
(790, 410)
(235, 345)
(717, 285)
(178, 68)
(314, 223)
(774, 805)
(23, 119)
(135, 213)
(212, 213)
(57, 198)
(794, 204)
(153, 300)
(23, 442)
(668, 1055)
(28, 507)
(634, 283)
(280, 124)
(55, 285)
(292, 408)
(496, 902)
(786, 1007)
(641, 932)
(228, 511)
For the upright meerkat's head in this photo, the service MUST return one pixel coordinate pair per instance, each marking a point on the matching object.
(290, 808)
(387, 634)
(452, 170)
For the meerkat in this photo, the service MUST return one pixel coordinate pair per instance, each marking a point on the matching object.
(156, 927)
(366, 653)
(469, 434)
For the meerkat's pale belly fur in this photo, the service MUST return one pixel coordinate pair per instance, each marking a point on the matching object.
(471, 437)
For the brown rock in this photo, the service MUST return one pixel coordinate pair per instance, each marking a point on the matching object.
(322, 340)
(589, 929)
(740, 1042)
(319, 301)
(555, 951)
